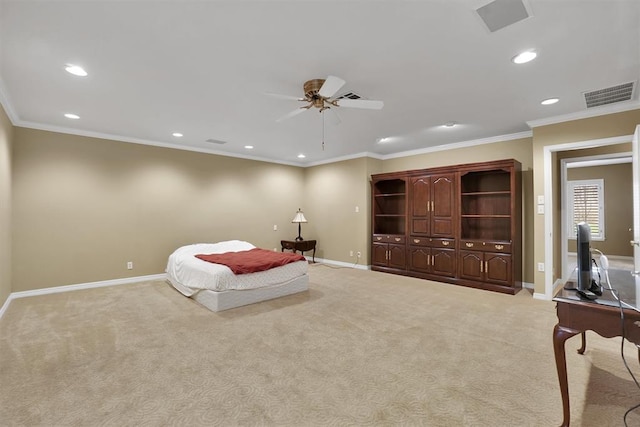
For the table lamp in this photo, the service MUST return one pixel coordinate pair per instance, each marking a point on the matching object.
(299, 218)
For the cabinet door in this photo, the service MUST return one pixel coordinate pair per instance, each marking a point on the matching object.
(471, 265)
(420, 197)
(443, 205)
(379, 254)
(420, 259)
(443, 262)
(498, 268)
(397, 256)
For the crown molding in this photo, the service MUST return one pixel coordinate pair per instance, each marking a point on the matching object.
(343, 158)
(462, 144)
(594, 112)
(120, 138)
(6, 104)
(586, 114)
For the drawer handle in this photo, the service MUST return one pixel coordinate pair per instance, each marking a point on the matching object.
(499, 247)
(469, 245)
(397, 239)
(446, 243)
(378, 238)
(416, 240)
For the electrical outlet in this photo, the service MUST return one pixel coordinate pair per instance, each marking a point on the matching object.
(357, 209)
(129, 265)
(350, 253)
(541, 266)
(359, 254)
(275, 227)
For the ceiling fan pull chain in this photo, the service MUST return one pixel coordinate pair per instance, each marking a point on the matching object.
(322, 131)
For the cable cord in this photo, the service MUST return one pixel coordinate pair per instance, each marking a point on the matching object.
(616, 295)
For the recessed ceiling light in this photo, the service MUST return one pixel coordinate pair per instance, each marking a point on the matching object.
(549, 101)
(72, 116)
(449, 124)
(301, 156)
(75, 70)
(177, 134)
(389, 139)
(524, 57)
(249, 147)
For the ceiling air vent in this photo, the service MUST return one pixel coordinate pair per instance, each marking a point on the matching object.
(215, 141)
(610, 95)
(501, 13)
(349, 95)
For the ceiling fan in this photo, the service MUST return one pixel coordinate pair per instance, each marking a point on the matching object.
(318, 93)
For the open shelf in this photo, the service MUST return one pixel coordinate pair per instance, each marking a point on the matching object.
(486, 182)
(486, 228)
(390, 206)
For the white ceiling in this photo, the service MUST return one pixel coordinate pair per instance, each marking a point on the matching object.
(201, 68)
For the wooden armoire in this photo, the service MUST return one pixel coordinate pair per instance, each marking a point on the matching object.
(457, 224)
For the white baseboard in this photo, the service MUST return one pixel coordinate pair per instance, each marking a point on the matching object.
(68, 288)
(528, 285)
(5, 306)
(537, 295)
(340, 263)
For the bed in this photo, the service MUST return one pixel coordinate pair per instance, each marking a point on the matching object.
(216, 287)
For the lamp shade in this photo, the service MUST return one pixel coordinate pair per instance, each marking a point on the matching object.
(299, 217)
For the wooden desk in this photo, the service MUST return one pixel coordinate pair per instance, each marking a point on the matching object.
(299, 245)
(602, 316)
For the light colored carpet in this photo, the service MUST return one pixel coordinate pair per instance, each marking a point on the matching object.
(359, 348)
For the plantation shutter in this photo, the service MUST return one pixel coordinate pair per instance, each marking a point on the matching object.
(586, 199)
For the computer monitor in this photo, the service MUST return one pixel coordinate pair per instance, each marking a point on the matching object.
(583, 238)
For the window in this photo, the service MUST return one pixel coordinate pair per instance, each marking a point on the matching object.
(586, 203)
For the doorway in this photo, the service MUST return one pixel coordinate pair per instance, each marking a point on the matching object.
(552, 221)
(615, 171)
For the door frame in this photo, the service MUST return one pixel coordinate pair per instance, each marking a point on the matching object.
(550, 187)
(598, 160)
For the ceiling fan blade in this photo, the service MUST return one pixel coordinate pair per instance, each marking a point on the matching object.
(360, 103)
(292, 114)
(278, 95)
(331, 85)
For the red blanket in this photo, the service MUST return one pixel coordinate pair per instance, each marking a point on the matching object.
(252, 261)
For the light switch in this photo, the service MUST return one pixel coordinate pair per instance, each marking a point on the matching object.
(540, 209)
(541, 200)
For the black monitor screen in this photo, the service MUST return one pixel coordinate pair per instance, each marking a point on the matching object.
(584, 256)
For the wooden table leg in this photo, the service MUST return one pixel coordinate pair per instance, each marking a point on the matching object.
(560, 335)
(583, 347)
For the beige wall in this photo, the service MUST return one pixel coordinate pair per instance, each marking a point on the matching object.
(83, 207)
(332, 194)
(6, 138)
(618, 206)
(519, 149)
(612, 125)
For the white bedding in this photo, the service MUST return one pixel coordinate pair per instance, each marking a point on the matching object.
(189, 274)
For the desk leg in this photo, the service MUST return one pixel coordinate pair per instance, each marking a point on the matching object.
(583, 347)
(314, 261)
(560, 335)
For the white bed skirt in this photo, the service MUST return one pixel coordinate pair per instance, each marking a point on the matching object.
(224, 300)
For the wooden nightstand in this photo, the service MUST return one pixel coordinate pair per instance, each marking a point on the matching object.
(300, 245)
